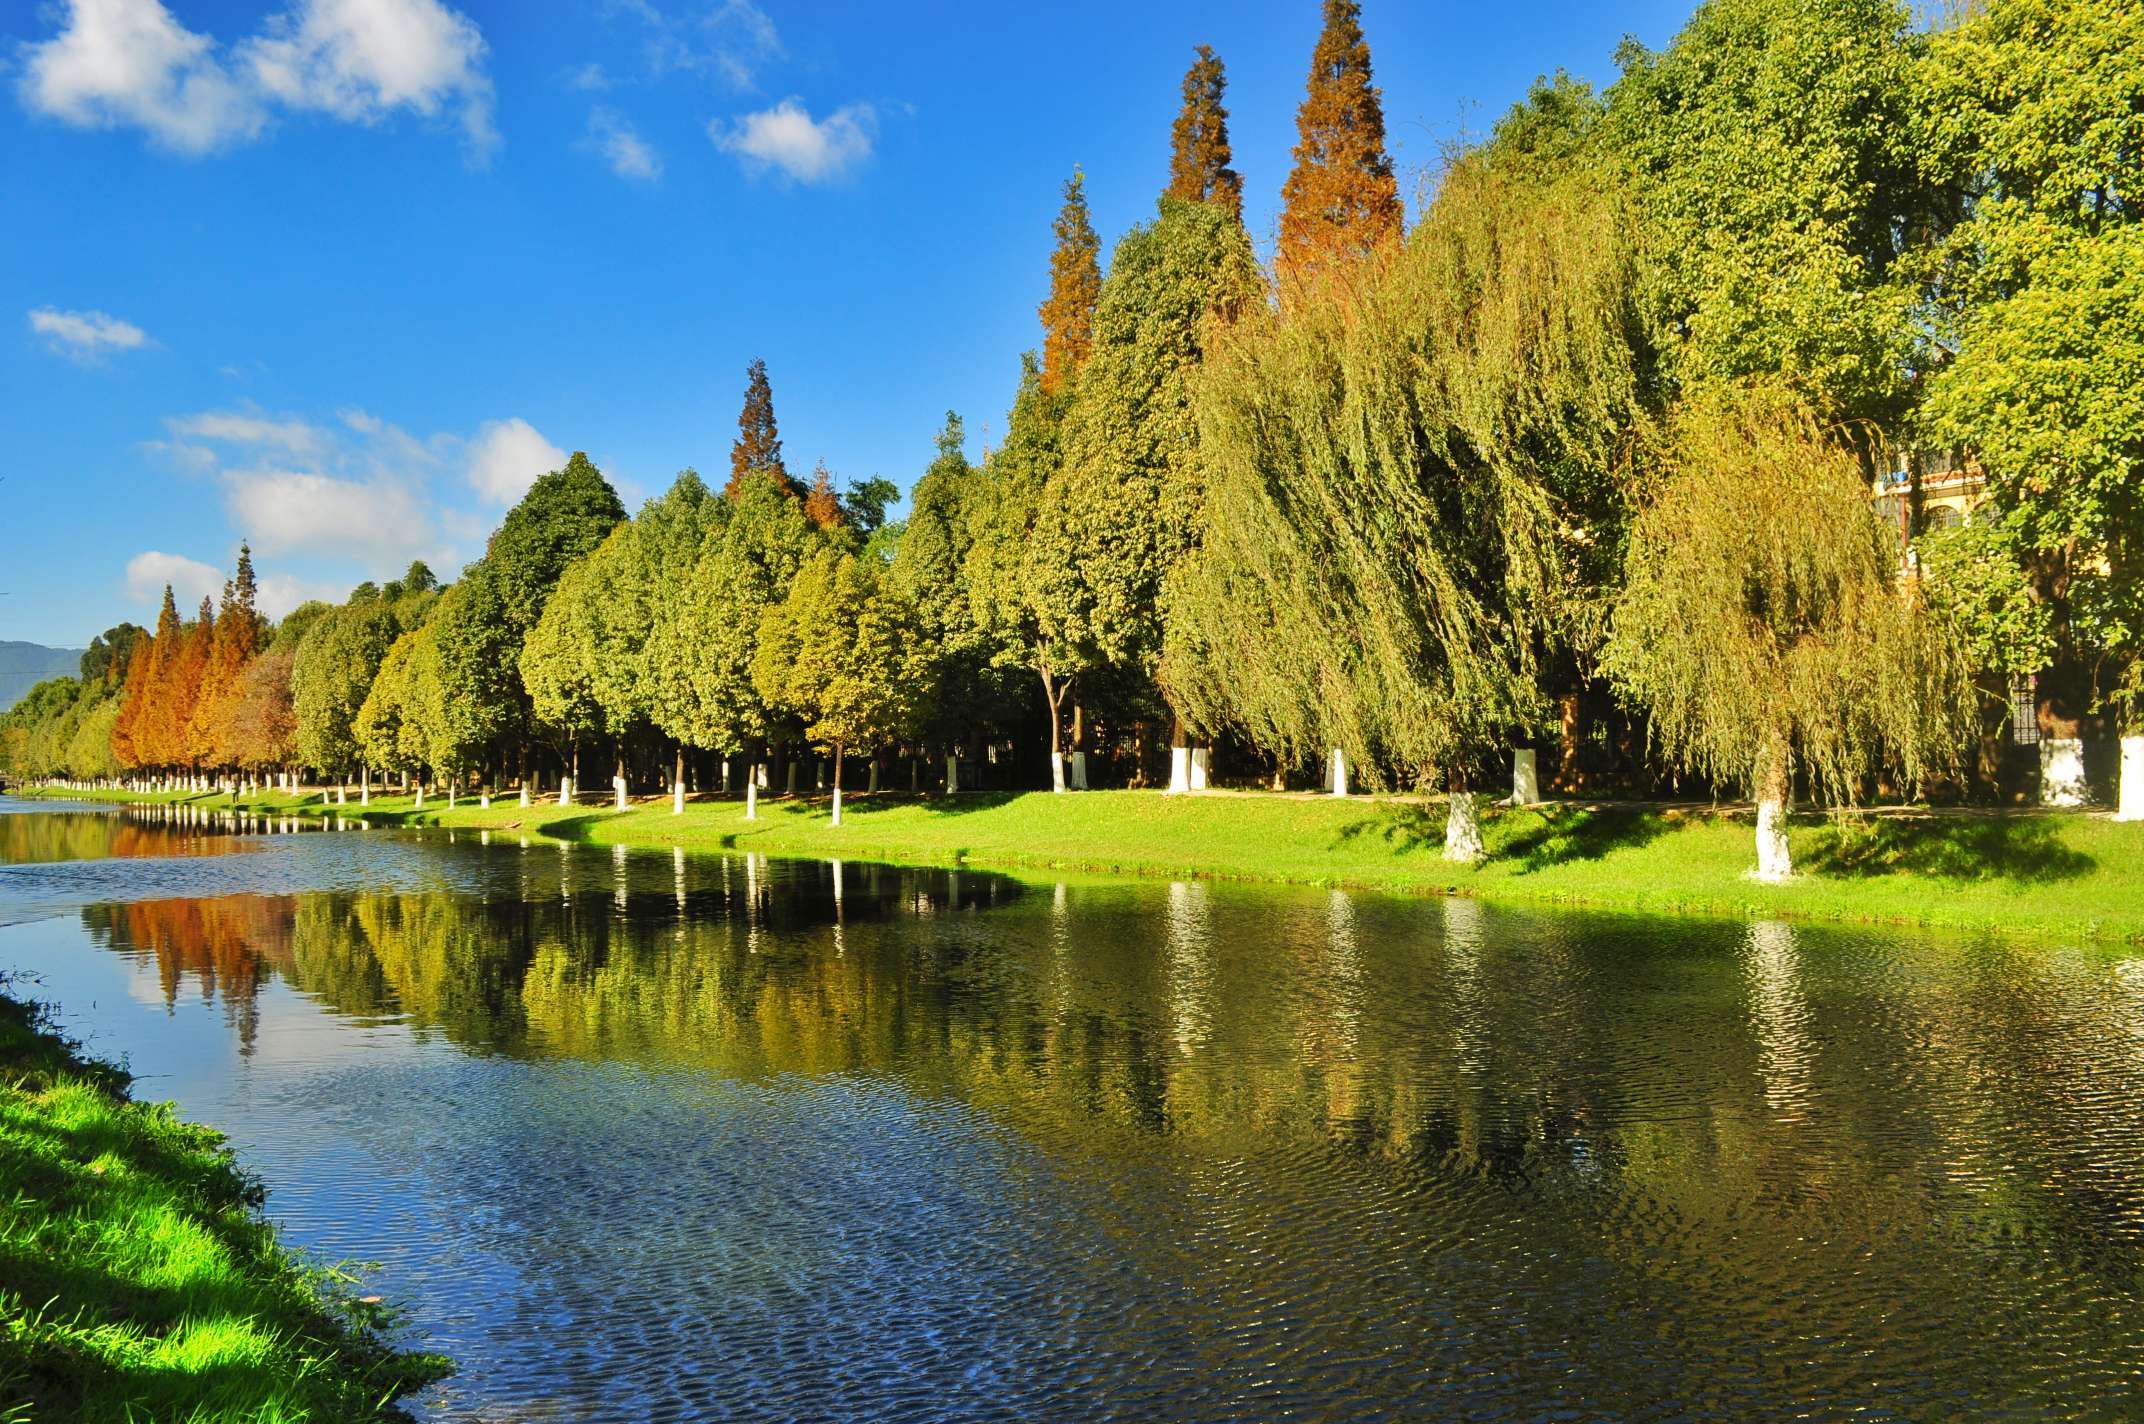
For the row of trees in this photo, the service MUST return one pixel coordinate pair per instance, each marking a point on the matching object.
(1607, 417)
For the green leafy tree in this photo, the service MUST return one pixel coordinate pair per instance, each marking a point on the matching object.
(333, 671)
(843, 653)
(1411, 467)
(1764, 626)
(1773, 149)
(1124, 505)
(704, 638)
(483, 620)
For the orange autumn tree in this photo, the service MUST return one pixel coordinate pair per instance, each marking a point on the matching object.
(758, 447)
(822, 506)
(1341, 201)
(182, 692)
(233, 644)
(134, 740)
(1198, 151)
(1075, 287)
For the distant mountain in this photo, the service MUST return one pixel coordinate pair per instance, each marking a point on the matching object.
(24, 665)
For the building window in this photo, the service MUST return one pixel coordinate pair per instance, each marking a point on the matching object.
(1943, 516)
(2024, 710)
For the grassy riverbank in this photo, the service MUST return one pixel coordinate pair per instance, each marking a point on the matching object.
(138, 1280)
(2069, 875)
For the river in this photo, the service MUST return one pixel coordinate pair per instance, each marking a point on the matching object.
(642, 1136)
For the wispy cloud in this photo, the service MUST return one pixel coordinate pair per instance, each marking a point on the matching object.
(621, 146)
(788, 139)
(131, 64)
(86, 336)
(730, 40)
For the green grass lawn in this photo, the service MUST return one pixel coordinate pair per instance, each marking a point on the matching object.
(2069, 875)
(138, 1280)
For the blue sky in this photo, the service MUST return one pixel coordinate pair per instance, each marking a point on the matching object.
(339, 276)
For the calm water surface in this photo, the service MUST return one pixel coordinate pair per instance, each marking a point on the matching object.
(640, 1137)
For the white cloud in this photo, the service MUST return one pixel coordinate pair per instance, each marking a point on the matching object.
(279, 593)
(621, 146)
(588, 78)
(190, 580)
(506, 458)
(292, 511)
(85, 335)
(121, 63)
(806, 149)
(250, 428)
(128, 62)
(362, 59)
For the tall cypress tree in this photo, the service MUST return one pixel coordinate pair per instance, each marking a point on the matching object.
(1075, 286)
(1341, 200)
(135, 735)
(1199, 152)
(759, 444)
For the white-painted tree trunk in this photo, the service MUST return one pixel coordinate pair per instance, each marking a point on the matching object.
(952, 772)
(2129, 796)
(483, 801)
(454, 790)
(2062, 771)
(837, 803)
(1079, 771)
(725, 776)
(524, 791)
(617, 786)
(364, 785)
(1201, 767)
(565, 789)
(1179, 770)
(1462, 829)
(342, 793)
(751, 798)
(677, 796)
(1336, 778)
(1057, 772)
(1525, 777)
(1774, 861)
(420, 796)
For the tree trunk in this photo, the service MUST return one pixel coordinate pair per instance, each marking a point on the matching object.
(2129, 795)
(872, 788)
(420, 793)
(617, 780)
(751, 791)
(1525, 777)
(837, 783)
(1337, 777)
(1054, 693)
(1179, 757)
(789, 778)
(1774, 786)
(1462, 828)
(364, 784)
(952, 771)
(677, 784)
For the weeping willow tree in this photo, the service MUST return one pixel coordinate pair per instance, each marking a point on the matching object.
(1765, 622)
(1412, 483)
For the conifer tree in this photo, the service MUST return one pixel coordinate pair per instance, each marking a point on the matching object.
(822, 504)
(1341, 200)
(1199, 151)
(134, 734)
(233, 645)
(1075, 287)
(758, 446)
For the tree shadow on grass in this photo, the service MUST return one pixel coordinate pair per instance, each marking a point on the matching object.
(2026, 848)
(1528, 840)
